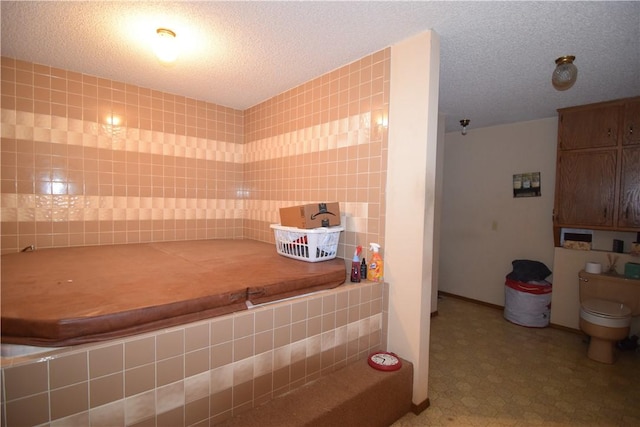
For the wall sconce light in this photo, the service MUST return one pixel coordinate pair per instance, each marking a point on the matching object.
(565, 74)
(112, 125)
(165, 46)
(464, 123)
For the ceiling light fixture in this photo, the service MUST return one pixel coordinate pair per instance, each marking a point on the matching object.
(165, 46)
(464, 123)
(565, 74)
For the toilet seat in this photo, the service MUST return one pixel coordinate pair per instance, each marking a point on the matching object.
(606, 313)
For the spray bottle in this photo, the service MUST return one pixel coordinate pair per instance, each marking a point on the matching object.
(355, 265)
(376, 267)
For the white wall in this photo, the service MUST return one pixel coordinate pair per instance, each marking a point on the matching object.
(437, 214)
(411, 201)
(484, 228)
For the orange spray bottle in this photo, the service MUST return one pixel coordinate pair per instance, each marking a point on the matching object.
(376, 267)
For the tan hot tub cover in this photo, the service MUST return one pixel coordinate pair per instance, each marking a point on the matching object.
(65, 296)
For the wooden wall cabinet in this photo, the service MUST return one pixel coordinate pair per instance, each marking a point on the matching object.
(629, 213)
(631, 127)
(598, 167)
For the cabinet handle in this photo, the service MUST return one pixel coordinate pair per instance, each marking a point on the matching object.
(631, 130)
(609, 132)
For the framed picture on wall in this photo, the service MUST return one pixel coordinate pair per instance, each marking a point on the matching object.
(526, 184)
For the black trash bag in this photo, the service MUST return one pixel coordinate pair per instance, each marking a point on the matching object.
(525, 270)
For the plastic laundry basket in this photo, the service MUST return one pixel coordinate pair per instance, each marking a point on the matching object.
(527, 304)
(310, 245)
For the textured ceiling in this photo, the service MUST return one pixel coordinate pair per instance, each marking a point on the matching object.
(496, 57)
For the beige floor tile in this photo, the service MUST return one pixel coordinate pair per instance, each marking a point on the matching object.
(486, 371)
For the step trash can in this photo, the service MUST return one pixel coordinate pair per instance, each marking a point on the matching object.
(527, 295)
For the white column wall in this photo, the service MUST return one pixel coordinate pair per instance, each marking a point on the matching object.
(411, 197)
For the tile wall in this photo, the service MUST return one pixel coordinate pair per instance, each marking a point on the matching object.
(325, 140)
(197, 373)
(89, 161)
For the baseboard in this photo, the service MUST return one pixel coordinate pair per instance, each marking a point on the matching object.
(499, 307)
(566, 328)
(417, 409)
(475, 301)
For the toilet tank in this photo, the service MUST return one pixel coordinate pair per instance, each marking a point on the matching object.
(611, 288)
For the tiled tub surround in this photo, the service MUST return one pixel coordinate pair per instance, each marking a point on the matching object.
(69, 208)
(179, 169)
(82, 188)
(325, 140)
(202, 371)
(89, 161)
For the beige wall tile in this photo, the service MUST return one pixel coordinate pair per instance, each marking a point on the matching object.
(170, 397)
(22, 381)
(197, 386)
(243, 325)
(69, 400)
(169, 370)
(105, 390)
(139, 352)
(196, 362)
(108, 415)
(221, 354)
(174, 417)
(139, 379)
(140, 407)
(106, 360)
(221, 402)
(263, 320)
(170, 344)
(32, 410)
(221, 330)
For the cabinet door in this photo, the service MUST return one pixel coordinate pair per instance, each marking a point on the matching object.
(631, 128)
(589, 128)
(629, 214)
(586, 188)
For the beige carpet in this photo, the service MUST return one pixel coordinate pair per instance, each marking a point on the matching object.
(485, 371)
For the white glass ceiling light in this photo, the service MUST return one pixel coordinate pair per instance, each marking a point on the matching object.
(464, 123)
(165, 46)
(565, 74)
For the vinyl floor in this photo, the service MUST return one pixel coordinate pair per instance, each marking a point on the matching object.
(486, 371)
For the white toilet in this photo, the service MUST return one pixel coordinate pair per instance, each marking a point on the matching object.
(607, 304)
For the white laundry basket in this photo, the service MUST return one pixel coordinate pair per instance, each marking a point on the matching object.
(310, 245)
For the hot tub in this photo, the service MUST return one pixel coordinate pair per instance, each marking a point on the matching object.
(67, 296)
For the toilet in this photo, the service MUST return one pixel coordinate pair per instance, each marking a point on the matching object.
(607, 304)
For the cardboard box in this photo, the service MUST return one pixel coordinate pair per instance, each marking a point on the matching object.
(311, 216)
(582, 246)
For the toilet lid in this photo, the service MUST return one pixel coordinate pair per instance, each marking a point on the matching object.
(606, 308)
